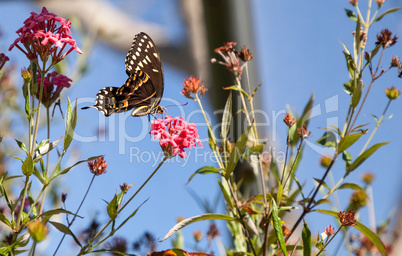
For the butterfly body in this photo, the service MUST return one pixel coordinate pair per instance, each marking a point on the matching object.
(143, 89)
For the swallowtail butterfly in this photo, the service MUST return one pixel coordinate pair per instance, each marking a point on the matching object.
(143, 89)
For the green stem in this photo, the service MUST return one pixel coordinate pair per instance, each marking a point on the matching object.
(217, 155)
(42, 82)
(241, 218)
(376, 128)
(47, 160)
(308, 208)
(329, 241)
(84, 249)
(76, 213)
(294, 162)
(286, 155)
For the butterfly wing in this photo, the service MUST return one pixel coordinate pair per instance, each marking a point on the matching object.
(143, 90)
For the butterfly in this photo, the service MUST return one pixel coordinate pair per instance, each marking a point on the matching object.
(144, 86)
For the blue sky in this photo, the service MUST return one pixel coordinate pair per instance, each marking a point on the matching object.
(297, 53)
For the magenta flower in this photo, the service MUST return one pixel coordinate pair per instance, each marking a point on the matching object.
(52, 86)
(44, 35)
(175, 135)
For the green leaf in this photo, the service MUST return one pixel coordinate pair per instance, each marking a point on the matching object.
(23, 240)
(237, 152)
(323, 183)
(212, 140)
(254, 149)
(112, 207)
(44, 149)
(357, 93)
(131, 215)
(279, 193)
(48, 214)
(186, 222)
(306, 236)
(59, 172)
(387, 12)
(6, 250)
(328, 140)
(356, 41)
(366, 154)
(64, 229)
(372, 54)
(237, 88)
(205, 170)
(28, 166)
(348, 141)
(226, 117)
(347, 158)
(22, 146)
(351, 14)
(71, 122)
(353, 186)
(226, 194)
(350, 64)
(4, 220)
(255, 90)
(373, 237)
(278, 228)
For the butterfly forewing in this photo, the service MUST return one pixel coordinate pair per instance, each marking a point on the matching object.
(143, 89)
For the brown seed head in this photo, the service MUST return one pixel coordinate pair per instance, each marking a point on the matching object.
(98, 166)
(303, 132)
(125, 187)
(395, 62)
(227, 47)
(366, 56)
(117, 244)
(289, 120)
(213, 231)
(245, 54)
(385, 38)
(347, 219)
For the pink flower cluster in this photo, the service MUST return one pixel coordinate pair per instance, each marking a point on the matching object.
(52, 86)
(175, 135)
(45, 35)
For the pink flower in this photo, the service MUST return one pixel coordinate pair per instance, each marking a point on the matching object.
(52, 86)
(175, 135)
(45, 35)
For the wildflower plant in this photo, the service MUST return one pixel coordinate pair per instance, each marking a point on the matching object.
(255, 222)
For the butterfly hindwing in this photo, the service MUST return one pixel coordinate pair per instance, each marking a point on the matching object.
(143, 89)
